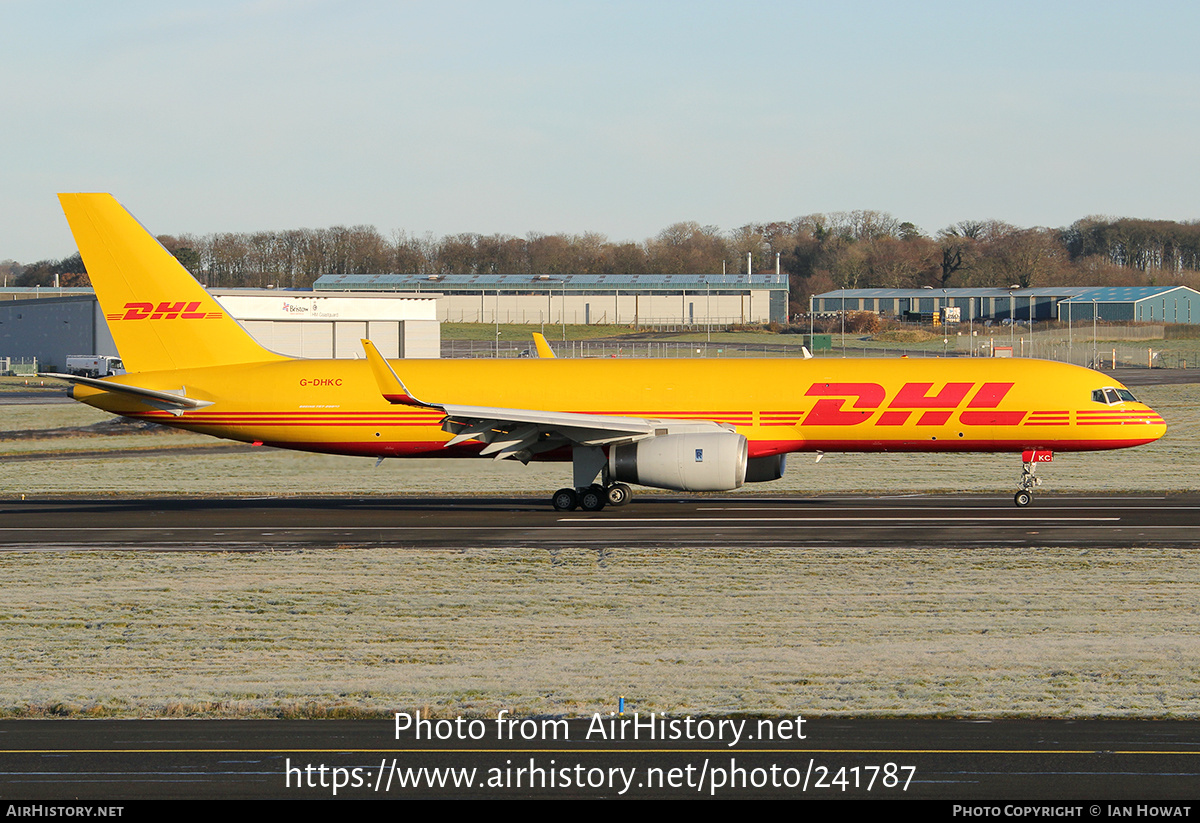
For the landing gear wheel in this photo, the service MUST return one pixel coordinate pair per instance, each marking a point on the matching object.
(565, 500)
(1029, 479)
(619, 494)
(592, 499)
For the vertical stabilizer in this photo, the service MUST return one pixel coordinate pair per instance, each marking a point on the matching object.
(160, 317)
(543, 348)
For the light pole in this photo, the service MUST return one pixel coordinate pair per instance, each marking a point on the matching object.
(1070, 343)
(1012, 321)
(971, 324)
(1031, 320)
(843, 313)
(812, 299)
(1095, 311)
(562, 314)
(1012, 318)
(945, 329)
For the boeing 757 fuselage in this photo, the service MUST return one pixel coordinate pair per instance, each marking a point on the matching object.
(695, 425)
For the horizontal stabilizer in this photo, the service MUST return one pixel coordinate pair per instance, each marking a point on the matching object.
(176, 402)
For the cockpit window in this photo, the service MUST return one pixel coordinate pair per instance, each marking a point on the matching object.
(1110, 395)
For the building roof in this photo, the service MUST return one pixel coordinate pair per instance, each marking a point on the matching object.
(298, 294)
(1128, 294)
(1084, 294)
(550, 282)
(1041, 291)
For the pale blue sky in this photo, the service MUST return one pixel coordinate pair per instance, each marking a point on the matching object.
(615, 117)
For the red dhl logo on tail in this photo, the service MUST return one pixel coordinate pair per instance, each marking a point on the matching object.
(164, 311)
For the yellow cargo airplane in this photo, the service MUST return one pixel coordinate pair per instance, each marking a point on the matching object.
(691, 425)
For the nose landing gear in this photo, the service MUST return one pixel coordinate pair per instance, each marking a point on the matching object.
(1030, 481)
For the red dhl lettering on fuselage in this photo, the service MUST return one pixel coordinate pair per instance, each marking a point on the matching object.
(849, 404)
(164, 311)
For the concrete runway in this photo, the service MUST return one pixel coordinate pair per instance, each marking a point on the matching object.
(253, 524)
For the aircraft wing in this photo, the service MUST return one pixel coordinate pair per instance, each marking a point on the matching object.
(176, 402)
(522, 433)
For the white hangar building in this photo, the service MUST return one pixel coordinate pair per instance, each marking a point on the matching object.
(319, 326)
(642, 300)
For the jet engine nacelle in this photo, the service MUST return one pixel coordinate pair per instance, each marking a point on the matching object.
(766, 469)
(691, 462)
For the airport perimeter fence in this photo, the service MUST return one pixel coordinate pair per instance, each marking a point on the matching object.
(1106, 355)
(1111, 347)
(609, 349)
(668, 349)
(1139, 352)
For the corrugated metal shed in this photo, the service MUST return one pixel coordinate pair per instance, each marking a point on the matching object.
(1040, 291)
(1149, 304)
(1136, 304)
(979, 303)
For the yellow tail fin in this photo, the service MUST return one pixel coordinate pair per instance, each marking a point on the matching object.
(160, 317)
(543, 348)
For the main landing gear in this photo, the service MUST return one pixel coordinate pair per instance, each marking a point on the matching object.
(588, 464)
(592, 498)
(1030, 481)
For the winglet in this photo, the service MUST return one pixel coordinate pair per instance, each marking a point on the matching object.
(390, 385)
(543, 348)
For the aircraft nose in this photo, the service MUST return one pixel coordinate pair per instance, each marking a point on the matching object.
(1160, 428)
(1154, 423)
(1126, 424)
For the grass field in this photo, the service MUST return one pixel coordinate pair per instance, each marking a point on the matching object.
(1001, 632)
(893, 632)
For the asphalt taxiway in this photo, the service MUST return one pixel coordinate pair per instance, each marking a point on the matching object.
(450, 523)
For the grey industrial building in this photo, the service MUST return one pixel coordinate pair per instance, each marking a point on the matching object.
(49, 328)
(34, 324)
(649, 300)
(1150, 304)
